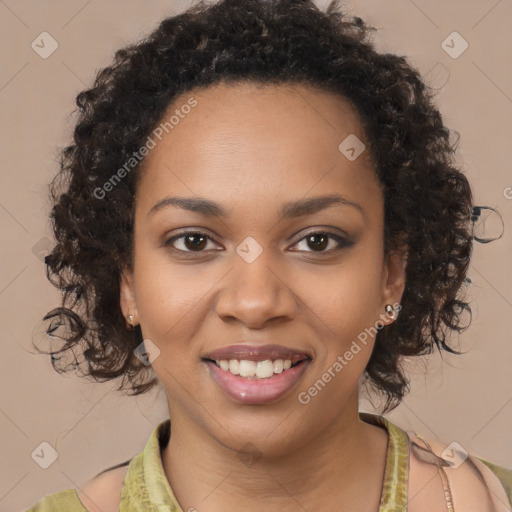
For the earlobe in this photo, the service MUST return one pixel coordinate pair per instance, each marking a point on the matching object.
(394, 279)
(127, 297)
(398, 265)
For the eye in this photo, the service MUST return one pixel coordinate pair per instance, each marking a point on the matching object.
(193, 241)
(197, 241)
(319, 240)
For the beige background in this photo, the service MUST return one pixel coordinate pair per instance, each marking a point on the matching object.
(466, 398)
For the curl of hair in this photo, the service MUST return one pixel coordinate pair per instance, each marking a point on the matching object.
(428, 201)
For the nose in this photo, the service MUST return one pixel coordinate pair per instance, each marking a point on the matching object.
(257, 293)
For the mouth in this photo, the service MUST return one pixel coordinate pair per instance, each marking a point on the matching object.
(256, 375)
(248, 369)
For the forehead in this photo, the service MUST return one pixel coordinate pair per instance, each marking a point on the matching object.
(258, 143)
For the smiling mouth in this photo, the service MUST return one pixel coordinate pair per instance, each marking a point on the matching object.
(256, 370)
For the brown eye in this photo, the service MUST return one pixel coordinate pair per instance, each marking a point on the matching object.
(193, 241)
(318, 241)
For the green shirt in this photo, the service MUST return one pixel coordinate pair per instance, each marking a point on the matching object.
(146, 488)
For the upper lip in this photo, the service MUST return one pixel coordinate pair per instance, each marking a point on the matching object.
(258, 353)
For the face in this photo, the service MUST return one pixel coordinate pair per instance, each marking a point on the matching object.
(266, 273)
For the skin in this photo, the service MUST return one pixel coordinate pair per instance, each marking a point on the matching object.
(252, 148)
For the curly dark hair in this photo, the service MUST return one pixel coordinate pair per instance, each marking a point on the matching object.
(427, 200)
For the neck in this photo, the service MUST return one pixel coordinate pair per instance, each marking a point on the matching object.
(341, 464)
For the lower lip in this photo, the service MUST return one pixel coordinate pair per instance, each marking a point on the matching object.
(257, 391)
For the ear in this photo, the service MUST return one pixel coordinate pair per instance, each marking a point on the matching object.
(127, 295)
(393, 279)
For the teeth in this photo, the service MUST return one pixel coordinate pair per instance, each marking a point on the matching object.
(278, 366)
(247, 368)
(233, 367)
(264, 369)
(253, 369)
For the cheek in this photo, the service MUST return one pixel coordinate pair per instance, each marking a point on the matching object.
(345, 302)
(347, 296)
(347, 313)
(168, 295)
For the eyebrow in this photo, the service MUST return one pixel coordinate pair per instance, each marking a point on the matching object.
(289, 210)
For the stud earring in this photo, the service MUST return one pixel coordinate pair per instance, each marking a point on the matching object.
(390, 311)
(131, 322)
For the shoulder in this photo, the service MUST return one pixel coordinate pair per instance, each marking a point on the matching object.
(61, 501)
(103, 493)
(473, 485)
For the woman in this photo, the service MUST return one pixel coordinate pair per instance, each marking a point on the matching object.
(264, 211)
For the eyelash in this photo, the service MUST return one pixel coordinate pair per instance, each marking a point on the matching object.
(342, 242)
